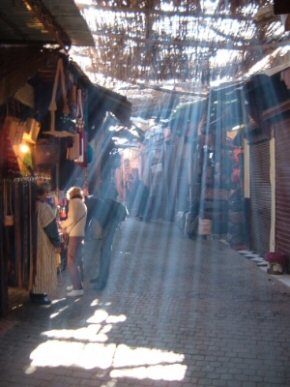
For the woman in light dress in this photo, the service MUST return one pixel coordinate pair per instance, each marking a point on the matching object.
(74, 226)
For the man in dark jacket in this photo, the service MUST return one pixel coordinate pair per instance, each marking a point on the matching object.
(105, 216)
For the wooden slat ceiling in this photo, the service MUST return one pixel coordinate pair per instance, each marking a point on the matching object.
(40, 22)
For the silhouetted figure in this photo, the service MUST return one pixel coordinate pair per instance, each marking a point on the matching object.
(132, 189)
(105, 217)
(142, 198)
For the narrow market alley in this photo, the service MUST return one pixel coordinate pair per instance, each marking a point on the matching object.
(144, 193)
(175, 312)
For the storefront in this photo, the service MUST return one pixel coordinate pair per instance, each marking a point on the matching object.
(46, 132)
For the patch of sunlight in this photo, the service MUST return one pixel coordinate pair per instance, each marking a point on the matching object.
(53, 315)
(56, 353)
(102, 316)
(116, 319)
(158, 372)
(139, 363)
(85, 348)
(99, 316)
(56, 301)
(146, 363)
(111, 383)
(90, 333)
(95, 302)
(126, 356)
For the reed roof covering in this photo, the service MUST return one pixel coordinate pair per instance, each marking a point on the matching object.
(180, 45)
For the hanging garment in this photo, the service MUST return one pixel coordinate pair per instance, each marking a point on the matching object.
(7, 204)
(20, 239)
(61, 122)
(14, 128)
(73, 153)
(8, 159)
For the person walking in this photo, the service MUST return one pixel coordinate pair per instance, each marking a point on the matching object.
(106, 217)
(142, 201)
(74, 226)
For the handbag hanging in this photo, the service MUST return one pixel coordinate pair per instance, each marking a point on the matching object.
(8, 215)
(61, 123)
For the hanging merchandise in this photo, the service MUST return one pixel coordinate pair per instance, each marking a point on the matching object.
(19, 248)
(61, 123)
(9, 166)
(74, 99)
(14, 128)
(78, 151)
(32, 129)
(81, 127)
(26, 187)
(74, 152)
(7, 205)
(46, 152)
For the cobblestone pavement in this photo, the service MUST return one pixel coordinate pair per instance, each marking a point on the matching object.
(176, 312)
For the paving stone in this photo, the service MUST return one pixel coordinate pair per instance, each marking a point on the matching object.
(185, 313)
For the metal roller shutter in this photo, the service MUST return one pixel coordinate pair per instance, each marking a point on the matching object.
(260, 202)
(282, 229)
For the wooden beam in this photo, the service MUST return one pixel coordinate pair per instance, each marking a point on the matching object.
(287, 23)
(276, 110)
(44, 16)
(144, 86)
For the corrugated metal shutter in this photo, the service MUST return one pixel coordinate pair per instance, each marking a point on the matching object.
(260, 197)
(282, 229)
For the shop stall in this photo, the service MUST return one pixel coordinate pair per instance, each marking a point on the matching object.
(46, 126)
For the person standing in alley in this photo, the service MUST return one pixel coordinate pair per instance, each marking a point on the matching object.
(74, 226)
(131, 190)
(48, 244)
(107, 215)
(142, 201)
